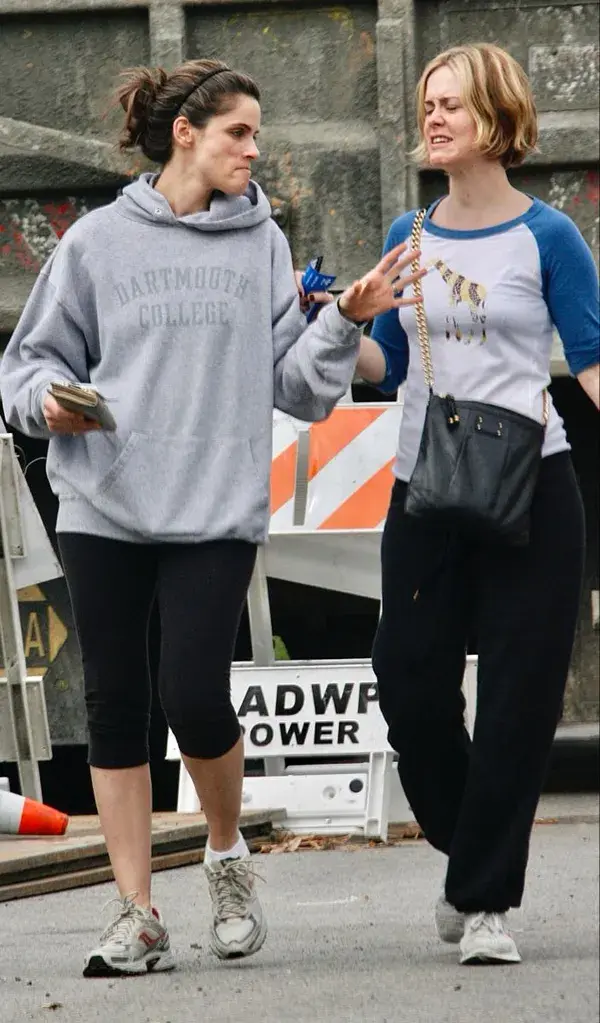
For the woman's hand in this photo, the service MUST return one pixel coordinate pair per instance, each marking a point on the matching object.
(378, 290)
(59, 420)
(315, 298)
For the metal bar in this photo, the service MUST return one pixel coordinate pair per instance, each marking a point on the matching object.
(38, 715)
(381, 767)
(13, 542)
(302, 470)
(261, 635)
(10, 629)
(259, 613)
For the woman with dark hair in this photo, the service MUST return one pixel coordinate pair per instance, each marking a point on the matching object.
(178, 302)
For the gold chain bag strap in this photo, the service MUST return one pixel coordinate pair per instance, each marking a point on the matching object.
(422, 332)
(478, 464)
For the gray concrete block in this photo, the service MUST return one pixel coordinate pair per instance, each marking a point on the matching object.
(312, 64)
(167, 33)
(564, 77)
(60, 72)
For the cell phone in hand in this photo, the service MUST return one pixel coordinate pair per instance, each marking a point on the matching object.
(314, 280)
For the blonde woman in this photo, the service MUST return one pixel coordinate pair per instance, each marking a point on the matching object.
(504, 270)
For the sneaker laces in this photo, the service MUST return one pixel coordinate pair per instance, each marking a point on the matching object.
(120, 930)
(231, 887)
(494, 923)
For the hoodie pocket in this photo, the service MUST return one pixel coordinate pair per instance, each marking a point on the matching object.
(120, 463)
(173, 487)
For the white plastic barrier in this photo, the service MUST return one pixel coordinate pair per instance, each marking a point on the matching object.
(318, 709)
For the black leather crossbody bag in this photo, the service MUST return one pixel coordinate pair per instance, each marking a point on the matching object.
(478, 464)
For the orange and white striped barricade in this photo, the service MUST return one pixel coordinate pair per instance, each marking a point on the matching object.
(330, 490)
(334, 476)
(26, 558)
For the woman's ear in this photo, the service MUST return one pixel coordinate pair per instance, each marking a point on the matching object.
(183, 133)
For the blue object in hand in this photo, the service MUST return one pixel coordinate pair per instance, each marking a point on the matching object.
(314, 280)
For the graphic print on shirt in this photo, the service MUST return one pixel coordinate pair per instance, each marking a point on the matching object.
(461, 289)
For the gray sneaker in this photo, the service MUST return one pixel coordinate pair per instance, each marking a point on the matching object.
(135, 942)
(239, 927)
(487, 940)
(449, 923)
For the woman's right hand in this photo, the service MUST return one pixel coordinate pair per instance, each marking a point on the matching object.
(60, 420)
(382, 288)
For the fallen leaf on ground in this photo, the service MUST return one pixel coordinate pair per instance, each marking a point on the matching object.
(284, 841)
(404, 832)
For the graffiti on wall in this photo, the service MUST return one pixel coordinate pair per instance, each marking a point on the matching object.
(29, 230)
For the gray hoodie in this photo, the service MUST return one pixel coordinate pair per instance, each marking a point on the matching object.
(191, 328)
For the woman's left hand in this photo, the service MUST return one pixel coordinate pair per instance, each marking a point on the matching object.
(315, 298)
(378, 291)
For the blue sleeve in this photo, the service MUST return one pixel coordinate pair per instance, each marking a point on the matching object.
(570, 287)
(387, 331)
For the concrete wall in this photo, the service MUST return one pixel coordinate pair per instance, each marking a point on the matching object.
(338, 83)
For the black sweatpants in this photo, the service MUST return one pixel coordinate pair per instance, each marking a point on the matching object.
(201, 589)
(476, 801)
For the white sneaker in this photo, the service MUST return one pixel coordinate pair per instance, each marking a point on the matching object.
(135, 942)
(449, 923)
(239, 927)
(486, 940)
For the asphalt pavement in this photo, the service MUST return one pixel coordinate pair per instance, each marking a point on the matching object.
(351, 941)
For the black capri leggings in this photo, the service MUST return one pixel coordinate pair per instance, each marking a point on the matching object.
(201, 589)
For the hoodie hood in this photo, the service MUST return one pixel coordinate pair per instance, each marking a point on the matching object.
(141, 202)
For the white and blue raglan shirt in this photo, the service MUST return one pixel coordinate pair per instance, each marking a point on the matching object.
(492, 298)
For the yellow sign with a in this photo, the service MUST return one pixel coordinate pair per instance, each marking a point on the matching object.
(44, 635)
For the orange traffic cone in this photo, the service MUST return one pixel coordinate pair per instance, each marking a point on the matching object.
(22, 816)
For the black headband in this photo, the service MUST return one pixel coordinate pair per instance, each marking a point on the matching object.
(215, 71)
